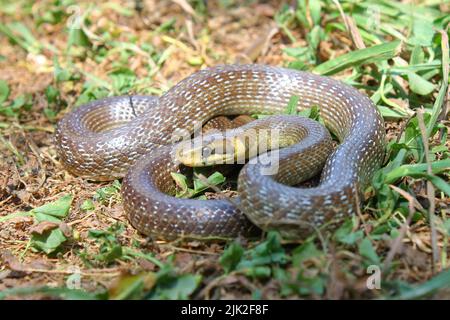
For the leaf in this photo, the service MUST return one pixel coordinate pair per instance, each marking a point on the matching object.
(315, 8)
(367, 251)
(305, 252)
(112, 253)
(172, 286)
(443, 90)
(15, 215)
(345, 235)
(49, 241)
(447, 227)
(231, 257)
(440, 281)
(390, 113)
(52, 94)
(59, 209)
(106, 193)
(291, 107)
(296, 52)
(62, 292)
(45, 238)
(422, 33)
(439, 183)
(213, 180)
(132, 286)
(314, 37)
(417, 56)
(308, 285)
(110, 247)
(312, 113)
(18, 33)
(87, 205)
(260, 272)
(77, 37)
(60, 74)
(268, 252)
(182, 183)
(419, 85)
(416, 170)
(355, 58)
(4, 91)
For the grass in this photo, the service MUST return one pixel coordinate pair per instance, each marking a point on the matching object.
(70, 236)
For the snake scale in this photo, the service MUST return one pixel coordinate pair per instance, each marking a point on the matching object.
(131, 137)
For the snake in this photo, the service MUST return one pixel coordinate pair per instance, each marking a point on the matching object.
(134, 138)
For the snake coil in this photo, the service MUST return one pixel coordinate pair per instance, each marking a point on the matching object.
(103, 139)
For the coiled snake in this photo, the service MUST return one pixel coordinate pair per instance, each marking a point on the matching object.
(131, 136)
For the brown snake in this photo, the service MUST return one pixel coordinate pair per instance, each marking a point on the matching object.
(103, 139)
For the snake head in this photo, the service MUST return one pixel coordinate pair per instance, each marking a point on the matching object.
(209, 150)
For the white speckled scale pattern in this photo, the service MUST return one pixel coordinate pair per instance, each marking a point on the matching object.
(101, 140)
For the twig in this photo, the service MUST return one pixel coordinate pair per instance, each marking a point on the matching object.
(80, 220)
(430, 189)
(445, 71)
(350, 25)
(359, 213)
(114, 272)
(398, 241)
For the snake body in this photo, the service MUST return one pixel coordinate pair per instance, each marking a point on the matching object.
(103, 139)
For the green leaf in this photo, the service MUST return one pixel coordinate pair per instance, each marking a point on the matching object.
(390, 113)
(87, 205)
(231, 257)
(106, 193)
(314, 37)
(110, 247)
(440, 281)
(260, 272)
(40, 217)
(292, 105)
(315, 9)
(439, 183)
(59, 208)
(312, 113)
(419, 85)
(52, 94)
(213, 180)
(447, 227)
(172, 286)
(422, 33)
(304, 252)
(63, 293)
(182, 183)
(356, 58)
(268, 252)
(416, 170)
(367, 251)
(417, 56)
(4, 91)
(49, 241)
(345, 235)
(18, 33)
(111, 254)
(131, 286)
(60, 74)
(78, 37)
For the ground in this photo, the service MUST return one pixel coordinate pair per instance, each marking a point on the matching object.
(64, 237)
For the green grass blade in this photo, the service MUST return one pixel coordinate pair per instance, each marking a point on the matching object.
(355, 58)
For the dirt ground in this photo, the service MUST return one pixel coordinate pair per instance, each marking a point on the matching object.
(31, 174)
